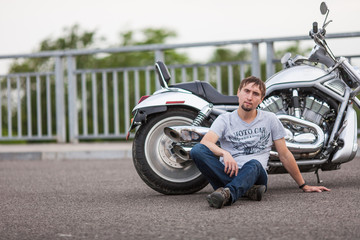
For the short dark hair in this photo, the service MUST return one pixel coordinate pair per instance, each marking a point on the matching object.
(256, 81)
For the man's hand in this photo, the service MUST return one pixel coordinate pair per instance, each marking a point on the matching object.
(308, 188)
(290, 165)
(231, 167)
(209, 140)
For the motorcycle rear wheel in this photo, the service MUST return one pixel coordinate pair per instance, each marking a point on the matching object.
(155, 161)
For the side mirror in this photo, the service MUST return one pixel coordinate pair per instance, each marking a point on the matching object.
(163, 74)
(285, 58)
(323, 8)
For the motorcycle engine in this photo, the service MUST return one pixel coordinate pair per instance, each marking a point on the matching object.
(315, 110)
(306, 126)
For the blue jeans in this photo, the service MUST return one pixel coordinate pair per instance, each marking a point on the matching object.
(209, 165)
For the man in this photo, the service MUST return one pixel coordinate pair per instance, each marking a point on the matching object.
(246, 136)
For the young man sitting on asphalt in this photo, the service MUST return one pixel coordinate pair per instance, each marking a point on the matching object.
(246, 136)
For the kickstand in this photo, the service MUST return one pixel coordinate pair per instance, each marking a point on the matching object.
(317, 176)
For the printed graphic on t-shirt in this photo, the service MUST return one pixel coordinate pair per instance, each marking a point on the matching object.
(250, 141)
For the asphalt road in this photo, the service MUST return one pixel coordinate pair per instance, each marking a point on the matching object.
(105, 199)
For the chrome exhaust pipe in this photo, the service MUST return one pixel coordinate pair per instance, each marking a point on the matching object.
(305, 142)
(185, 134)
(300, 162)
(182, 152)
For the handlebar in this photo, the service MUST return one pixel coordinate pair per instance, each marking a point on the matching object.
(318, 34)
(315, 27)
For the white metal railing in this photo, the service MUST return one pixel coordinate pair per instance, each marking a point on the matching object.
(116, 84)
(99, 101)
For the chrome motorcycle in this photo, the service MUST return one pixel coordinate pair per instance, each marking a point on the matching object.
(313, 98)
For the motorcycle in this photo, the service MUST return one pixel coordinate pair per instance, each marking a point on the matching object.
(314, 104)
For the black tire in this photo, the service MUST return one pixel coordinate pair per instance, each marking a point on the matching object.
(156, 163)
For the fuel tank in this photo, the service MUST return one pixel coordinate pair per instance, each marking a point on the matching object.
(304, 76)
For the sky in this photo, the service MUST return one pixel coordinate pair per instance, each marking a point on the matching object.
(24, 24)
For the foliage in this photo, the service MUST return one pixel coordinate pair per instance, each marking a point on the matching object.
(76, 38)
(73, 38)
(294, 49)
(131, 59)
(228, 55)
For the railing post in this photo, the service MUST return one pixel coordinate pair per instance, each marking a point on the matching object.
(159, 55)
(255, 60)
(270, 67)
(60, 100)
(73, 115)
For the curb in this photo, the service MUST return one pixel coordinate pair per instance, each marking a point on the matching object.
(104, 151)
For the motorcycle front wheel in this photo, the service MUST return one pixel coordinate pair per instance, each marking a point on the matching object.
(154, 158)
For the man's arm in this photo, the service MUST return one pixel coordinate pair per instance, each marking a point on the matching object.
(290, 165)
(210, 140)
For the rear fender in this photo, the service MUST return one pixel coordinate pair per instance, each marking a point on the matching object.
(160, 102)
(169, 98)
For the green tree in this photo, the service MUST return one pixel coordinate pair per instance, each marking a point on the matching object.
(76, 38)
(294, 49)
(228, 55)
(133, 59)
(73, 38)
(146, 58)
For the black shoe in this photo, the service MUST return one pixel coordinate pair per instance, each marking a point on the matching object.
(256, 192)
(219, 198)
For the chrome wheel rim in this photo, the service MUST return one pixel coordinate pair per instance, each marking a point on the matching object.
(160, 156)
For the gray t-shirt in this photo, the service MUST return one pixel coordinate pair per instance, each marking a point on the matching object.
(246, 141)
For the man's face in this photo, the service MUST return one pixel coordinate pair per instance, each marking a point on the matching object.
(249, 97)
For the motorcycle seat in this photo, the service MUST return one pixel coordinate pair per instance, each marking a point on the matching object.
(208, 93)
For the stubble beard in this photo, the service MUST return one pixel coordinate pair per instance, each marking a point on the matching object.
(245, 108)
